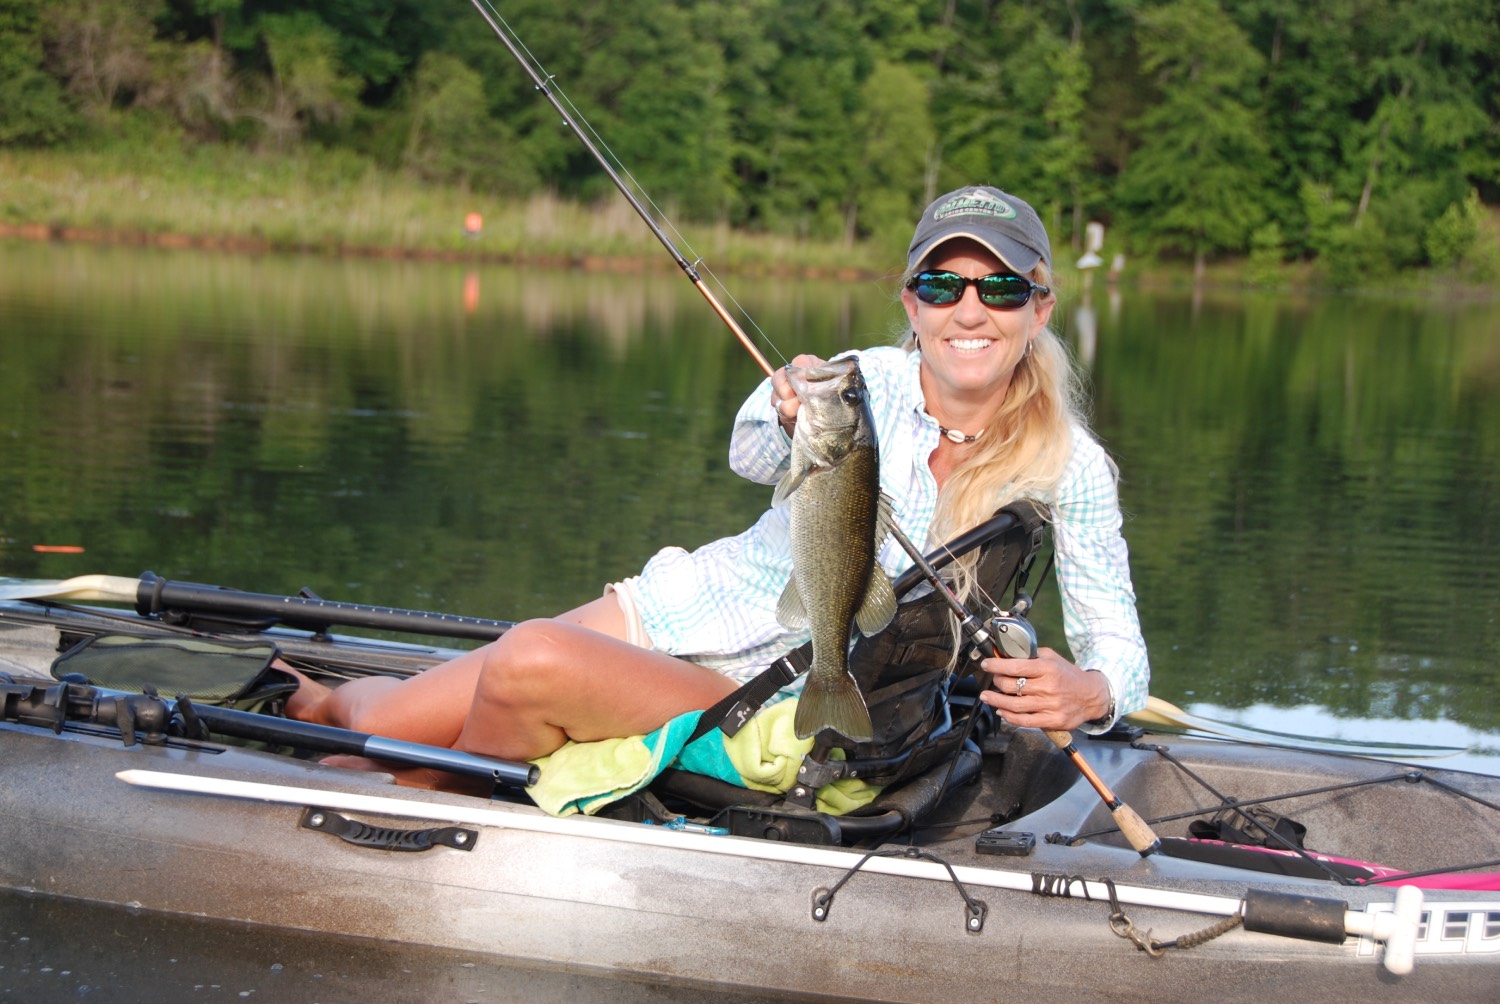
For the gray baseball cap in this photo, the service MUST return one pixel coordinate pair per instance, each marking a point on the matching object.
(1003, 223)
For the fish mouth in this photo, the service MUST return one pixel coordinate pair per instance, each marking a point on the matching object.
(816, 379)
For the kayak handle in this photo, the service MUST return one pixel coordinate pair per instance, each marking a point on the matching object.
(387, 838)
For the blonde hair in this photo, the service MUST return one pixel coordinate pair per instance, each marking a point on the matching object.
(1026, 445)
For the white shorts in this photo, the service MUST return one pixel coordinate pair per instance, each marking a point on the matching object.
(635, 630)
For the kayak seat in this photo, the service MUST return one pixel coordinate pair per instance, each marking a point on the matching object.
(917, 694)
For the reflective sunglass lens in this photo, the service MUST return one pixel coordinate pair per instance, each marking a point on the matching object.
(939, 288)
(1007, 292)
(999, 292)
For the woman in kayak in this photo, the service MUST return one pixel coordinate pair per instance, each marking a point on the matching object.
(977, 405)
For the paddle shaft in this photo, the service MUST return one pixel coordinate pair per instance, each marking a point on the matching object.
(1136, 830)
(165, 597)
(151, 719)
(327, 739)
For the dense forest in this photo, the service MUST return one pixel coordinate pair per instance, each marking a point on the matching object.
(1363, 135)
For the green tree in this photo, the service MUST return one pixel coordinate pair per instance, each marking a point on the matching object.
(1187, 125)
(1311, 93)
(307, 84)
(646, 75)
(1016, 115)
(1457, 240)
(1065, 155)
(1267, 250)
(452, 138)
(1347, 254)
(893, 133)
(796, 178)
(105, 50)
(658, 89)
(204, 95)
(32, 105)
(1192, 184)
(1427, 115)
(749, 59)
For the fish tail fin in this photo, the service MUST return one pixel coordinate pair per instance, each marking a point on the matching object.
(832, 701)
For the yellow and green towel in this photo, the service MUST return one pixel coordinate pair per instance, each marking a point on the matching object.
(764, 755)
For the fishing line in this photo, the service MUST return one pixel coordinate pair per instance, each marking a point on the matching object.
(632, 190)
(1130, 823)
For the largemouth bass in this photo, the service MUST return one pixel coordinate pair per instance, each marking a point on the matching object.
(839, 519)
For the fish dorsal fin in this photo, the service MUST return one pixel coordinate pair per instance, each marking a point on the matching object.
(879, 606)
(791, 612)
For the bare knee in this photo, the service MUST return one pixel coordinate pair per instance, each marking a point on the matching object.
(522, 668)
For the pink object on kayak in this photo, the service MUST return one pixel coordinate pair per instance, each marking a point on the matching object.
(1364, 872)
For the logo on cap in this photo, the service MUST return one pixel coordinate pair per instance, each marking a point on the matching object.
(975, 203)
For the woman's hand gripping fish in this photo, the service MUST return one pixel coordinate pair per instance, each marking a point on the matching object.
(839, 519)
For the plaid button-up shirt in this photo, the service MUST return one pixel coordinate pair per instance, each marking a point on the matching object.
(717, 605)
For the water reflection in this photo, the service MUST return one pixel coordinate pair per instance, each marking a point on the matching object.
(141, 956)
(1311, 482)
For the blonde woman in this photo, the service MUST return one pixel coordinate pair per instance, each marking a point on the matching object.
(975, 407)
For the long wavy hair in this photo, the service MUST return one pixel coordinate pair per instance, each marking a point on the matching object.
(1024, 448)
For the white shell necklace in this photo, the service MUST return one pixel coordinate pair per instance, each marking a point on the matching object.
(958, 437)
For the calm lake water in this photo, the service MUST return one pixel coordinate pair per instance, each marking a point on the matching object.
(1312, 483)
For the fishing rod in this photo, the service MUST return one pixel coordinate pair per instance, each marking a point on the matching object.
(1136, 830)
(543, 82)
(1131, 824)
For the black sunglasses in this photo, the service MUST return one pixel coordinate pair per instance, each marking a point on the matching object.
(1001, 291)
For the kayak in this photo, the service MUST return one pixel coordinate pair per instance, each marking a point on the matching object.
(1019, 885)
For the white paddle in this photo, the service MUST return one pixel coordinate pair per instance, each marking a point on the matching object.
(97, 588)
(1164, 713)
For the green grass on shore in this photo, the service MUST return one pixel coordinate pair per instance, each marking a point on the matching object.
(333, 202)
(161, 189)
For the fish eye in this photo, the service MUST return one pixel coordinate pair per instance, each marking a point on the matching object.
(853, 395)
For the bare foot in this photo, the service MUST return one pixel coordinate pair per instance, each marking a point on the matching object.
(304, 702)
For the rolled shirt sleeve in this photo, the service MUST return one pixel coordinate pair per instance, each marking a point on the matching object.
(1093, 571)
(759, 448)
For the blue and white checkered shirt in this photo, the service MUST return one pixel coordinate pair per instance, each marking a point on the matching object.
(717, 605)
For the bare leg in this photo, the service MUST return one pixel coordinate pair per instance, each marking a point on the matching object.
(559, 681)
(522, 696)
(432, 706)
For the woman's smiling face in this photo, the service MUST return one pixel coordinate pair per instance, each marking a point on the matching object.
(969, 350)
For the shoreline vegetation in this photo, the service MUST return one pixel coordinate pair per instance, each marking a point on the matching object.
(335, 204)
(1228, 145)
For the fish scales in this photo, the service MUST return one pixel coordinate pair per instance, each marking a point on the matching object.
(838, 520)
